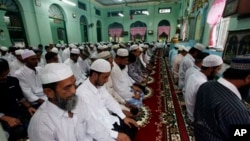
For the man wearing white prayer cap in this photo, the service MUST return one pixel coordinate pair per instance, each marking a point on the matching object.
(177, 60)
(74, 65)
(211, 65)
(109, 86)
(56, 51)
(29, 78)
(101, 103)
(122, 82)
(187, 62)
(66, 52)
(17, 63)
(63, 116)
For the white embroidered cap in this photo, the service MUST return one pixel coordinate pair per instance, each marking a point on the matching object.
(55, 72)
(27, 53)
(199, 46)
(134, 47)
(75, 51)
(122, 52)
(54, 50)
(104, 55)
(212, 61)
(101, 65)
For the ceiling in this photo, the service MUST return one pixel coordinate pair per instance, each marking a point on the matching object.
(118, 2)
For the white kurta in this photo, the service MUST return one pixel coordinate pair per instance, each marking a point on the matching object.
(30, 82)
(14, 66)
(192, 86)
(78, 73)
(99, 102)
(187, 62)
(121, 82)
(84, 65)
(50, 123)
(189, 72)
(65, 54)
(176, 65)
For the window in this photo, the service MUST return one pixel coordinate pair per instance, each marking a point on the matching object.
(139, 12)
(82, 6)
(222, 32)
(164, 10)
(97, 12)
(115, 13)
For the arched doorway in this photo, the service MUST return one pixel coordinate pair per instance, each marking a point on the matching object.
(84, 28)
(99, 31)
(57, 24)
(13, 31)
(115, 31)
(163, 30)
(138, 31)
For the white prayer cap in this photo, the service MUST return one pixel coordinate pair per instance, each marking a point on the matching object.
(145, 46)
(199, 46)
(104, 55)
(181, 47)
(122, 52)
(100, 47)
(93, 56)
(101, 65)
(27, 53)
(81, 47)
(92, 45)
(55, 72)
(212, 61)
(18, 52)
(4, 48)
(134, 47)
(187, 48)
(58, 45)
(116, 46)
(54, 49)
(72, 45)
(75, 51)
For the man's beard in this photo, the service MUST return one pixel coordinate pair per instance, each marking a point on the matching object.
(244, 92)
(212, 76)
(66, 104)
(122, 67)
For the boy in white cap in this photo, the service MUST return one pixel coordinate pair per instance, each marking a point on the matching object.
(211, 65)
(29, 78)
(74, 65)
(101, 104)
(64, 116)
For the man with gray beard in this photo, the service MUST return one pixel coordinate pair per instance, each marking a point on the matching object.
(64, 116)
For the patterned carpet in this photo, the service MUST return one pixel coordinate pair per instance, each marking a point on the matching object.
(163, 116)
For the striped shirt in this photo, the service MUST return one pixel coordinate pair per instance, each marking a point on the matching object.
(217, 108)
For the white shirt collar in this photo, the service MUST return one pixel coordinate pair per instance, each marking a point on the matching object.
(230, 86)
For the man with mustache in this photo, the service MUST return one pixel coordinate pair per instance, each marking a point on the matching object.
(219, 103)
(63, 117)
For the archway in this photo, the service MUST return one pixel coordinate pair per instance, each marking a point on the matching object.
(115, 31)
(13, 31)
(99, 31)
(84, 28)
(163, 30)
(138, 31)
(57, 24)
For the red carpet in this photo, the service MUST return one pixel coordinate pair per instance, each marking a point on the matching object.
(166, 119)
(154, 129)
